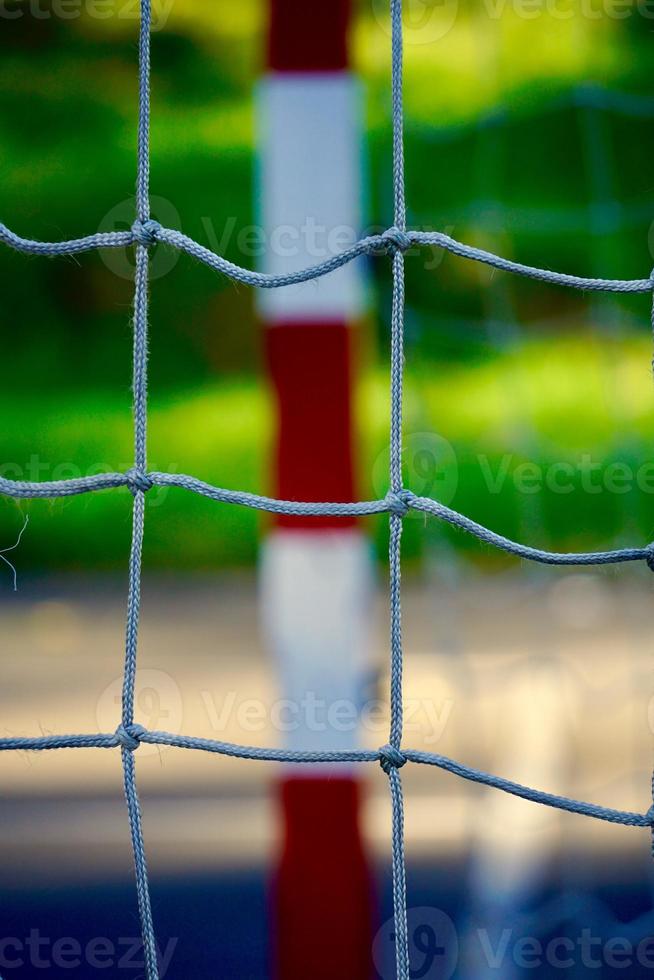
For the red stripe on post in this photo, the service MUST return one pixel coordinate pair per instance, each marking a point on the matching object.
(309, 36)
(310, 367)
(323, 891)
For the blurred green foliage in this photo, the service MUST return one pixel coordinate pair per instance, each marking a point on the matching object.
(515, 142)
(545, 442)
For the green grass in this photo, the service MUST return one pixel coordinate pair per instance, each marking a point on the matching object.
(497, 154)
(552, 402)
(491, 121)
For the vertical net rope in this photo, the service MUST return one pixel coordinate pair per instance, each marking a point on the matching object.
(395, 242)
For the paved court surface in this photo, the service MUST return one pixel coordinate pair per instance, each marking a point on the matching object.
(544, 677)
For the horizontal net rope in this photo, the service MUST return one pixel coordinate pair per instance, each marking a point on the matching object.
(390, 240)
(130, 738)
(400, 504)
(396, 242)
(62, 488)
(112, 239)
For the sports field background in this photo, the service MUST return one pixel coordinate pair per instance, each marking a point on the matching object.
(529, 408)
(516, 141)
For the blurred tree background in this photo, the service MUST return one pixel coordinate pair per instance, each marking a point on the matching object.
(530, 131)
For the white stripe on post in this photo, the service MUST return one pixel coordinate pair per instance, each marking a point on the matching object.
(316, 603)
(310, 128)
